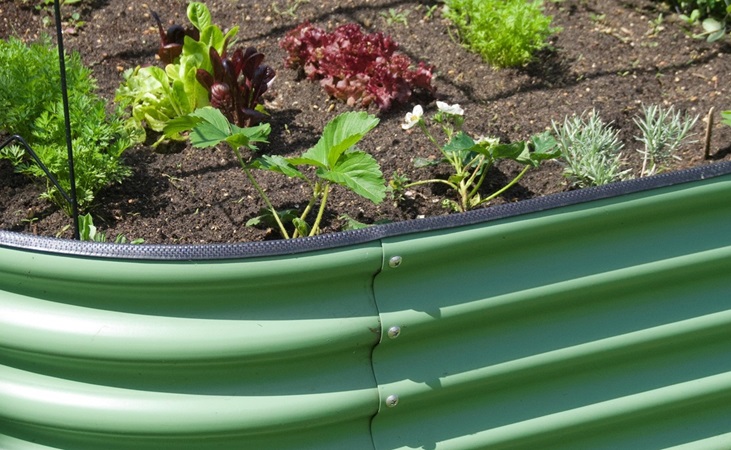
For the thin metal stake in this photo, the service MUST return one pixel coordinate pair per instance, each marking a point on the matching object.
(65, 96)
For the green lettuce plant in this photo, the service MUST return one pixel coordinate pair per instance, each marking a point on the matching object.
(470, 159)
(155, 96)
(506, 33)
(332, 162)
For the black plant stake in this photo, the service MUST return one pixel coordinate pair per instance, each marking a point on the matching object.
(65, 96)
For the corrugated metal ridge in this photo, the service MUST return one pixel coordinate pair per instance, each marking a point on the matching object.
(602, 326)
(36, 326)
(714, 443)
(604, 351)
(46, 401)
(598, 326)
(560, 426)
(691, 268)
(695, 268)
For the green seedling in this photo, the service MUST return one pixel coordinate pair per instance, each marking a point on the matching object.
(89, 232)
(396, 16)
(430, 10)
(291, 10)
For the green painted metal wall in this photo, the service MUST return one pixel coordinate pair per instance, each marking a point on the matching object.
(270, 353)
(597, 326)
(604, 324)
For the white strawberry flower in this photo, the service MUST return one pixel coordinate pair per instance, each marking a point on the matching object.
(446, 108)
(487, 141)
(413, 118)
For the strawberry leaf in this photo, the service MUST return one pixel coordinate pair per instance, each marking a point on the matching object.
(276, 163)
(339, 135)
(359, 172)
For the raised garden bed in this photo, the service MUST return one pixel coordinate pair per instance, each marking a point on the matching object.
(572, 319)
(610, 56)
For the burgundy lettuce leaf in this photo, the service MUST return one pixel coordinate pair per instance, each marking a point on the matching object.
(355, 67)
(237, 84)
(172, 40)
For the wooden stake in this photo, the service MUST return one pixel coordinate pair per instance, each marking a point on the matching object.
(709, 133)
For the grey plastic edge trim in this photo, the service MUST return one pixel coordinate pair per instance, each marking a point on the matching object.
(200, 252)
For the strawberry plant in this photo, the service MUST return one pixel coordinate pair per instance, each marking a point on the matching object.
(470, 159)
(335, 163)
(333, 160)
(355, 67)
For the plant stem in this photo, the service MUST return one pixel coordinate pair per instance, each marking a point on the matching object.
(709, 133)
(434, 180)
(261, 192)
(428, 135)
(316, 226)
(472, 177)
(308, 208)
(478, 185)
(506, 187)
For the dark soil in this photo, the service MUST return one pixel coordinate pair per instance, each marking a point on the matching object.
(608, 56)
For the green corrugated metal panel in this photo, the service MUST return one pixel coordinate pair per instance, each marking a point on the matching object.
(257, 353)
(604, 325)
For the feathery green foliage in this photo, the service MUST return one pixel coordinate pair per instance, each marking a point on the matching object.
(507, 33)
(31, 106)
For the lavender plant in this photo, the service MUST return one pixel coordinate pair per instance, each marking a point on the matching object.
(591, 150)
(663, 131)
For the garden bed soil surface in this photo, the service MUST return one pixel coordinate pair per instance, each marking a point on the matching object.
(609, 56)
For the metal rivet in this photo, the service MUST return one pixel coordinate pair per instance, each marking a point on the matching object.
(392, 400)
(394, 332)
(395, 261)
